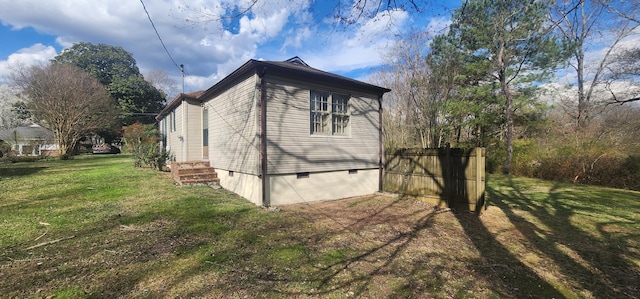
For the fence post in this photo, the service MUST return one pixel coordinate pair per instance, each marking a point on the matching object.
(448, 184)
(479, 202)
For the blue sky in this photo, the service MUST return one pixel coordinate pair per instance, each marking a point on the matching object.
(211, 47)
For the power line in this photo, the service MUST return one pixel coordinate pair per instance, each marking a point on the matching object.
(158, 34)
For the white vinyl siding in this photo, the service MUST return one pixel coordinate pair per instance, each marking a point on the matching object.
(291, 148)
(173, 141)
(233, 127)
(193, 132)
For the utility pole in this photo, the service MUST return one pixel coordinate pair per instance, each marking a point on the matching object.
(182, 75)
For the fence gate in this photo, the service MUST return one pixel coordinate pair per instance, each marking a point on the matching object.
(453, 177)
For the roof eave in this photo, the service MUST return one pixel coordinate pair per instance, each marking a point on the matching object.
(173, 104)
(325, 76)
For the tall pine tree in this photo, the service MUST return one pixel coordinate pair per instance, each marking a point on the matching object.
(505, 44)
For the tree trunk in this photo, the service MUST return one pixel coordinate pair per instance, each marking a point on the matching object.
(509, 123)
(583, 100)
(508, 110)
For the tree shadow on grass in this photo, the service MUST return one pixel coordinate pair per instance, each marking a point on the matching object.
(117, 255)
(509, 277)
(9, 172)
(201, 246)
(558, 226)
(349, 259)
(359, 258)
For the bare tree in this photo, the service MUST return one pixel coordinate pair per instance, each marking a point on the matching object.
(622, 82)
(9, 102)
(626, 9)
(68, 101)
(405, 118)
(589, 24)
(161, 81)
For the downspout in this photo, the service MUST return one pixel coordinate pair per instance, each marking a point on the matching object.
(380, 146)
(183, 140)
(266, 201)
(184, 130)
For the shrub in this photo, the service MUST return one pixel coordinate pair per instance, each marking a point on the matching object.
(143, 142)
(602, 170)
(156, 156)
(526, 157)
(494, 159)
(617, 172)
(5, 148)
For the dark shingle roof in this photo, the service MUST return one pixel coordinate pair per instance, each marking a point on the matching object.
(30, 131)
(294, 67)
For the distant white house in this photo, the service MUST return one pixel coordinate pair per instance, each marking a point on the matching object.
(281, 132)
(30, 140)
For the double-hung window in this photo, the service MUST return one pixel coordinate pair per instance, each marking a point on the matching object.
(329, 113)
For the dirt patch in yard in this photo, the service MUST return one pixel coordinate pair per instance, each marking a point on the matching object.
(377, 246)
(386, 246)
(393, 247)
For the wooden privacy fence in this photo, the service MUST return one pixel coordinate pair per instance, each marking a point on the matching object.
(451, 176)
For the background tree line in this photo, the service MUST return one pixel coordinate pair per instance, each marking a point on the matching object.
(493, 79)
(550, 88)
(86, 90)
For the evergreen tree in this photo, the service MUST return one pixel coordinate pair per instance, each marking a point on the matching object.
(116, 68)
(504, 48)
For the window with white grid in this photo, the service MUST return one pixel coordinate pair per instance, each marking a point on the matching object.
(329, 113)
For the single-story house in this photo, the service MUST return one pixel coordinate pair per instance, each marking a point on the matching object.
(281, 132)
(30, 140)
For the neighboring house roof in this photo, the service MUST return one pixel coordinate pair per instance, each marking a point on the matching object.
(28, 132)
(294, 67)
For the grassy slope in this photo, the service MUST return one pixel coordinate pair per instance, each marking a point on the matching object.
(130, 232)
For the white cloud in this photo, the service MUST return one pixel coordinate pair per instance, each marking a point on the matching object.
(362, 48)
(209, 46)
(438, 25)
(200, 45)
(35, 54)
(384, 26)
(295, 38)
(567, 95)
(595, 50)
(264, 27)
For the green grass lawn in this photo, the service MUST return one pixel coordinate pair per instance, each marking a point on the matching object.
(96, 227)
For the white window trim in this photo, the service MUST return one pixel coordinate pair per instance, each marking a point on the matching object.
(331, 130)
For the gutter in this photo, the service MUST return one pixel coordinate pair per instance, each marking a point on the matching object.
(184, 139)
(380, 146)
